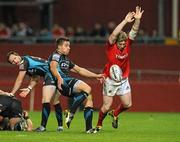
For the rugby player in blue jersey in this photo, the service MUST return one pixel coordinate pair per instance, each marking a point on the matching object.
(37, 67)
(60, 66)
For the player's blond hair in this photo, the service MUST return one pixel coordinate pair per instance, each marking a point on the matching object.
(122, 36)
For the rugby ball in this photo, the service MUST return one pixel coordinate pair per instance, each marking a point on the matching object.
(115, 73)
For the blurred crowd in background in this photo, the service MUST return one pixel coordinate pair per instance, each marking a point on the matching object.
(98, 33)
(14, 29)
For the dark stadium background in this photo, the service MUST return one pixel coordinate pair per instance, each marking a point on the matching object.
(155, 68)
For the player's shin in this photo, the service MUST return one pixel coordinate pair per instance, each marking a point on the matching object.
(78, 100)
(58, 111)
(101, 118)
(45, 114)
(88, 115)
(119, 109)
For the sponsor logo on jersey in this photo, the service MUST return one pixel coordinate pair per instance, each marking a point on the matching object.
(121, 56)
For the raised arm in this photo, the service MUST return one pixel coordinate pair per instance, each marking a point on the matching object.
(128, 19)
(135, 27)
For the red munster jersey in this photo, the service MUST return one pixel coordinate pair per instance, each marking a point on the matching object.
(118, 57)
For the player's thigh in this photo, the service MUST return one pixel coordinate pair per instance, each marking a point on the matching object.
(82, 86)
(88, 102)
(55, 98)
(47, 92)
(126, 99)
(107, 101)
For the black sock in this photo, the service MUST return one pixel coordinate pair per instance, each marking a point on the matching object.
(45, 113)
(88, 115)
(78, 100)
(58, 111)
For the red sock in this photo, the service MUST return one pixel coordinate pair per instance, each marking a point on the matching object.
(101, 118)
(119, 109)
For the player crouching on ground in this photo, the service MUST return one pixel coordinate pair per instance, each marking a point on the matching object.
(12, 116)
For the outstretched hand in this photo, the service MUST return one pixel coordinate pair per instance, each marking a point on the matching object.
(101, 78)
(130, 17)
(25, 92)
(6, 93)
(138, 13)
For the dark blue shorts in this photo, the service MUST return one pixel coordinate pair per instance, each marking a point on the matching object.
(67, 87)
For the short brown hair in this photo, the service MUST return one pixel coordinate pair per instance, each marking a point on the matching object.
(11, 53)
(61, 39)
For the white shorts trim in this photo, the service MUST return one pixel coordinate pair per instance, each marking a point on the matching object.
(75, 86)
(112, 88)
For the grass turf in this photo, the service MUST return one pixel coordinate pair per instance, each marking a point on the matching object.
(134, 127)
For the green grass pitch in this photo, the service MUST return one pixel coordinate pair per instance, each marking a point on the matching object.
(134, 127)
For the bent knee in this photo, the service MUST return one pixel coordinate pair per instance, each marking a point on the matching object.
(89, 102)
(56, 102)
(106, 107)
(87, 89)
(127, 106)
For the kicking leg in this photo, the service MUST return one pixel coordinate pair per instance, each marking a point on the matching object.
(126, 103)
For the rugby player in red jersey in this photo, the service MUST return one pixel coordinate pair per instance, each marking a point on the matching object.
(118, 53)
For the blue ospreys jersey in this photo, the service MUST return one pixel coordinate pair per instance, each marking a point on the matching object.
(64, 64)
(34, 66)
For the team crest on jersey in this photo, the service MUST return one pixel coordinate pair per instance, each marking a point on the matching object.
(121, 56)
(65, 65)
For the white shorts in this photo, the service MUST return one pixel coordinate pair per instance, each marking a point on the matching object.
(112, 88)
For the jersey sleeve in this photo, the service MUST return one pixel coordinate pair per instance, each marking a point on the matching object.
(55, 57)
(24, 65)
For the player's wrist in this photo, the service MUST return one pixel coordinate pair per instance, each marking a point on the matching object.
(11, 94)
(125, 21)
(29, 88)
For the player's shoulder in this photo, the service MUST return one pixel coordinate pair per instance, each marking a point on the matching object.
(108, 45)
(55, 56)
(129, 41)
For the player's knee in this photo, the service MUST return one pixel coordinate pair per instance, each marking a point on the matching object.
(46, 100)
(128, 105)
(89, 103)
(55, 102)
(87, 89)
(106, 107)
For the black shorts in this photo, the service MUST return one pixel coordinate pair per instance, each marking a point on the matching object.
(49, 79)
(67, 87)
(10, 107)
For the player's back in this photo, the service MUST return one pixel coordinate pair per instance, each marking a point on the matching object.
(36, 65)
